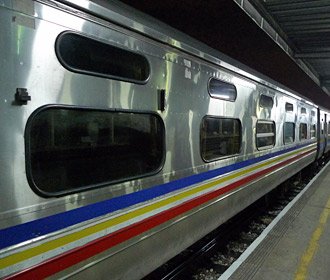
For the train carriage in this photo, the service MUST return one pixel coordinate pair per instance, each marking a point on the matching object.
(125, 141)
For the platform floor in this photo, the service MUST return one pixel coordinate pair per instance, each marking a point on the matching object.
(296, 245)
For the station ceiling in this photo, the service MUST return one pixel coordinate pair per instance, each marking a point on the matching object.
(288, 41)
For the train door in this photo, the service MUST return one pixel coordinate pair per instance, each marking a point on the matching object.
(325, 131)
(320, 133)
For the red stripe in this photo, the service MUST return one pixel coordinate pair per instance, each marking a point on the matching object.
(95, 247)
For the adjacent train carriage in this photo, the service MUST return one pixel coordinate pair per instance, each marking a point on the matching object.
(124, 141)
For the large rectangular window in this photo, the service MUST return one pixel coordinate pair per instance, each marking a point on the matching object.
(220, 137)
(289, 135)
(265, 134)
(71, 149)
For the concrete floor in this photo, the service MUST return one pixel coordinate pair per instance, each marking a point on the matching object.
(298, 245)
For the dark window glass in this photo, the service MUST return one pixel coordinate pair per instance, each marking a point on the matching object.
(313, 113)
(220, 137)
(289, 134)
(265, 134)
(313, 131)
(71, 149)
(288, 107)
(303, 110)
(303, 131)
(88, 56)
(221, 90)
(266, 101)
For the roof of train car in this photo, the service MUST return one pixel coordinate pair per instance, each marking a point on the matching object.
(208, 27)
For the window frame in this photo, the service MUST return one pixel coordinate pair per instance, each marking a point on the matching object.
(95, 73)
(28, 162)
(289, 107)
(313, 131)
(268, 134)
(201, 138)
(300, 132)
(294, 133)
(215, 96)
(263, 98)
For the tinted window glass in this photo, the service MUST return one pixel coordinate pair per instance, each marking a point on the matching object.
(303, 131)
(288, 107)
(88, 56)
(221, 90)
(220, 137)
(266, 101)
(289, 134)
(70, 149)
(313, 131)
(303, 110)
(265, 134)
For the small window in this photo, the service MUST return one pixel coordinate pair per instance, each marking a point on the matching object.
(313, 113)
(288, 107)
(303, 131)
(303, 111)
(265, 134)
(71, 149)
(313, 131)
(84, 55)
(220, 137)
(221, 90)
(266, 101)
(289, 135)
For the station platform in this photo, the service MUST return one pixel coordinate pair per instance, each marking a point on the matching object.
(296, 245)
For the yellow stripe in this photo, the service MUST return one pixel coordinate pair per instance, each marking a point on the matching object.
(313, 245)
(62, 241)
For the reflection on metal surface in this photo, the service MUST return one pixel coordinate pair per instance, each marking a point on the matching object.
(126, 213)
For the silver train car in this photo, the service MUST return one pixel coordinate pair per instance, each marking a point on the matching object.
(124, 141)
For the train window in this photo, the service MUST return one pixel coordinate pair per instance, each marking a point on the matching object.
(288, 107)
(303, 131)
(71, 149)
(289, 135)
(313, 131)
(221, 90)
(265, 134)
(266, 101)
(84, 55)
(220, 137)
(303, 111)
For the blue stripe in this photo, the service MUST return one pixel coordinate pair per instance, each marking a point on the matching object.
(23, 232)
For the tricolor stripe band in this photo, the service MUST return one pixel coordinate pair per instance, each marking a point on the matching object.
(84, 242)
